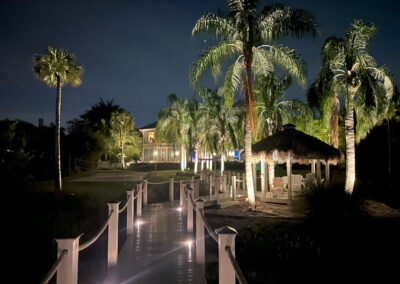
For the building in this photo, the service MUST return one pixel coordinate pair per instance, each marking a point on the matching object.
(153, 152)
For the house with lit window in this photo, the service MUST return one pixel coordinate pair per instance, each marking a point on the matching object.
(153, 152)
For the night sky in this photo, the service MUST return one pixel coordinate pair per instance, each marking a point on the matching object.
(138, 52)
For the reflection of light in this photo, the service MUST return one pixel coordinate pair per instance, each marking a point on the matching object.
(179, 209)
(155, 153)
(177, 153)
(247, 199)
(189, 244)
(138, 223)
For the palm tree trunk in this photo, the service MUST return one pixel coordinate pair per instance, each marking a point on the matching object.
(270, 163)
(350, 147)
(335, 122)
(58, 181)
(389, 148)
(222, 158)
(249, 174)
(182, 157)
(122, 149)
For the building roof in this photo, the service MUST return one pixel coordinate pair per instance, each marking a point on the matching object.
(300, 146)
(149, 126)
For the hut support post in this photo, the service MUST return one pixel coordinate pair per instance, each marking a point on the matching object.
(313, 166)
(254, 170)
(289, 175)
(319, 169)
(327, 172)
(263, 183)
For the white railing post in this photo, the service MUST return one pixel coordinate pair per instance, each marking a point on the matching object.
(67, 272)
(189, 210)
(139, 200)
(181, 193)
(130, 212)
(233, 188)
(216, 187)
(113, 208)
(210, 184)
(196, 188)
(145, 191)
(185, 196)
(192, 182)
(226, 237)
(171, 189)
(200, 247)
(223, 183)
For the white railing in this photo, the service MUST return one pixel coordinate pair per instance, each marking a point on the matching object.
(66, 265)
(229, 269)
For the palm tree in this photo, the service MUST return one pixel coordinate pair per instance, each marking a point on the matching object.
(173, 126)
(363, 84)
(122, 124)
(244, 34)
(221, 122)
(57, 68)
(274, 111)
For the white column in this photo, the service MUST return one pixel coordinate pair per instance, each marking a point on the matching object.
(313, 166)
(67, 272)
(130, 212)
(112, 258)
(226, 237)
(189, 210)
(171, 189)
(200, 247)
(139, 200)
(184, 210)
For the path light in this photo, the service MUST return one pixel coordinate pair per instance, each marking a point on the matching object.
(179, 209)
(138, 223)
(189, 244)
(177, 153)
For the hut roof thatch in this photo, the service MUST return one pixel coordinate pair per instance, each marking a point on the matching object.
(300, 146)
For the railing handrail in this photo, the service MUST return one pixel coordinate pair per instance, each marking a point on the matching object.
(90, 242)
(235, 265)
(210, 231)
(54, 268)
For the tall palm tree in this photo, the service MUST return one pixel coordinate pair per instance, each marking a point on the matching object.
(244, 33)
(363, 84)
(173, 126)
(57, 68)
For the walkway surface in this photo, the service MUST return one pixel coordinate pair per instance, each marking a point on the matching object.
(158, 251)
(113, 175)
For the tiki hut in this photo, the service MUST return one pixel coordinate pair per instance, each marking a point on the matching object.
(293, 146)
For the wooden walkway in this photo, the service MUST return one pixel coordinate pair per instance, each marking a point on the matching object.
(158, 251)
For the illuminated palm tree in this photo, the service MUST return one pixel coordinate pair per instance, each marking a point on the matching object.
(365, 86)
(221, 121)
(244, 34)
(122, 124)
(57, 68)
(173, 126)
(274, 111)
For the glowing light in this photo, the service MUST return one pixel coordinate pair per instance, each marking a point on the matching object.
(155, 153)
(179, 209)
(247, 199)
(189, 244)
(177, 153)
(138, 223)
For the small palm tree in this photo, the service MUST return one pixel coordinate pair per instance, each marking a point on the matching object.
(364, 85)
(57, 68)
(244, 34)
(221, 121)
(122, 124)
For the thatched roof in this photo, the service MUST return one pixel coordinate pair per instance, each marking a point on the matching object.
(301, 147)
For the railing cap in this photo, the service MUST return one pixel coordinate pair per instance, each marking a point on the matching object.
(226, 231)
(189, 188)
(199, 200)
(114, 202)
(71, 239)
